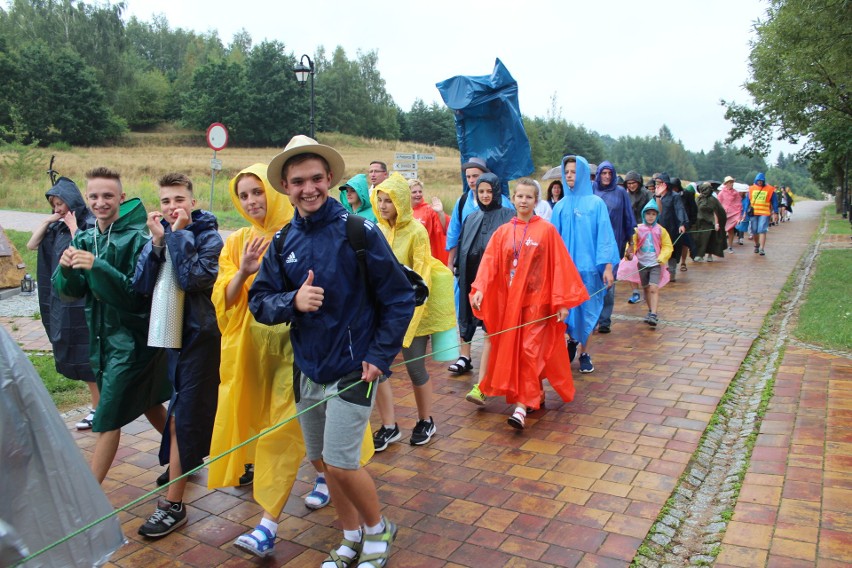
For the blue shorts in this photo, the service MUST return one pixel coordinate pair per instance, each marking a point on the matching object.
(758, 224)
(334, 431)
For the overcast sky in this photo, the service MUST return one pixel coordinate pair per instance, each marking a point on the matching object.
(616, 67)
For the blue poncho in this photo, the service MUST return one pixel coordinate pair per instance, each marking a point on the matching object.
(582, 220)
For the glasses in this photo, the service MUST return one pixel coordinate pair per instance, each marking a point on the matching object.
(659, 183)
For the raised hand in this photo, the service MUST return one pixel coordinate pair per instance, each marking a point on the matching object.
(253, 252)
(181, 220)
(70, 221)
(156, 227)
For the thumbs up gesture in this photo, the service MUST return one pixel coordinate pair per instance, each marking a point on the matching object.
(309, 297)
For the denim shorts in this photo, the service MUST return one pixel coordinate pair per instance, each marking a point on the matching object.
(759, 224)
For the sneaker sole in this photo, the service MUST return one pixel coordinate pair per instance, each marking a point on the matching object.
(587, 370)
(426, 441)
(475, 400)
(171, 529)
(389, 441)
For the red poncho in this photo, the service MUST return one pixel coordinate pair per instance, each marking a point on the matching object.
(545, 279)
(437, 234)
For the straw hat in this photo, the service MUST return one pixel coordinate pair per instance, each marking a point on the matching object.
(301, 144)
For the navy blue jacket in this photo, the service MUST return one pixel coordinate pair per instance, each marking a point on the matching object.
(618, 205)
(194, 368)
(351, 326)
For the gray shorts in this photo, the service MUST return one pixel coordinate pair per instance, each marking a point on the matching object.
(649, 275)
(334, 431)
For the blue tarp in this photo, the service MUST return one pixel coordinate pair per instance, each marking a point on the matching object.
(489, 123)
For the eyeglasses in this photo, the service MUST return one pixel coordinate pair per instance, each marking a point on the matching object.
(659, 183)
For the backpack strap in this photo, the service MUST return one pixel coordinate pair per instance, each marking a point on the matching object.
(356, 233)
(462, 201)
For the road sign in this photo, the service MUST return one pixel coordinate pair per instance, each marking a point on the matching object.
(216, 164)
(404, 166)
(403, 156)
(408, 175)
(425, 157)
(217, 136)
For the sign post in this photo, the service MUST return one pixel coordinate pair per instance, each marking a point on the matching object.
(406, 163)
(217, 139)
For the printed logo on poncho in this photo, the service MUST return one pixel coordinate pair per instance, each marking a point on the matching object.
(530, 243)
(291, 258)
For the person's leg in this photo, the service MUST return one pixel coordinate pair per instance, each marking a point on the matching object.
(157, 415)
(384, 403)
(605, 319)
(653, 296)
(94, 393)
(105, 449)
(175, 491)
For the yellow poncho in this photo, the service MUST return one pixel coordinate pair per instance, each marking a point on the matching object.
(410, 243)
(256, 374)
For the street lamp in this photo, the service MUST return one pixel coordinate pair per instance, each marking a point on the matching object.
(302, 71)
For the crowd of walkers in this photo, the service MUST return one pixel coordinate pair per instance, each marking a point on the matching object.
(303, 311)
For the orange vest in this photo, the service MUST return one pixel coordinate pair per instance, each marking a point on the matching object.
(760, 199)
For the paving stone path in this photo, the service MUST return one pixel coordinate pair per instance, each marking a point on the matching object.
(585, 483)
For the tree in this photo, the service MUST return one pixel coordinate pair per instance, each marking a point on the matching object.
(432, 124)
(800, 70)
(64, 102)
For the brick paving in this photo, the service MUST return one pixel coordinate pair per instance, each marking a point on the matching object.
(582, 485)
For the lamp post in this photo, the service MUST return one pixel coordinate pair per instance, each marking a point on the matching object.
(302, 71)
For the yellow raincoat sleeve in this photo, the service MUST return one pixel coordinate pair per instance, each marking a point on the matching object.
(666, 248)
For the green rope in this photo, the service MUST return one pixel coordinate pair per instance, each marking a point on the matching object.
(279, 425)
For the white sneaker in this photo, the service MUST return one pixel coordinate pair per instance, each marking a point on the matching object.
(86, 423)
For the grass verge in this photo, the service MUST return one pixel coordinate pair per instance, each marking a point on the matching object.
(66, 394)
(19, 239)
(825, 317)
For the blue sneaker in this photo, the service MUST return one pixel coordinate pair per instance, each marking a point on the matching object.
(635, 298)
(586, 365)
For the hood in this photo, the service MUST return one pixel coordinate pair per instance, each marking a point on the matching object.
(582, 183)
(397, 188)
(651, 206)
(760, 177)
(67, 191)
(633, 175)
(131, 216)
(279, 210)
(361, 187)
(605, 165)
(705, 189)
(496, 199)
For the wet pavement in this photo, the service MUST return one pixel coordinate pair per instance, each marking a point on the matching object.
(585, 482)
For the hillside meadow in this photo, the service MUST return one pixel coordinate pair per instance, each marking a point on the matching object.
(142, 158)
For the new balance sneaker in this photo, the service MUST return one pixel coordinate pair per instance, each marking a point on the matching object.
(248, 477)
(475, 396)
(635, 298)
(167, 517)
(651, 320)
(423, 432)
(586, 365)
(384, 436)
(86, 423)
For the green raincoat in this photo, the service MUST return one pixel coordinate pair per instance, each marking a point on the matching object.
(131, 376)
(358, 184)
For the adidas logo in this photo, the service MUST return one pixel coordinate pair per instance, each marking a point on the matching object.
(291, 258)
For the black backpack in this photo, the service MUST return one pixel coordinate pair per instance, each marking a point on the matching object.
(356, 233)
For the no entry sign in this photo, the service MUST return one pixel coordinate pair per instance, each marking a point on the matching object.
(217, 136)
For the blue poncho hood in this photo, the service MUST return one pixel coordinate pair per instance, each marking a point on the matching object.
(612, 182)
(651, 206)
(760, 177)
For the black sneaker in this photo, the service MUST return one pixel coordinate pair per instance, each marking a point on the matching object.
(165, 519)
(248, 477)
(572, 350)
(385, 436)
(423, 432)
(604, 329)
